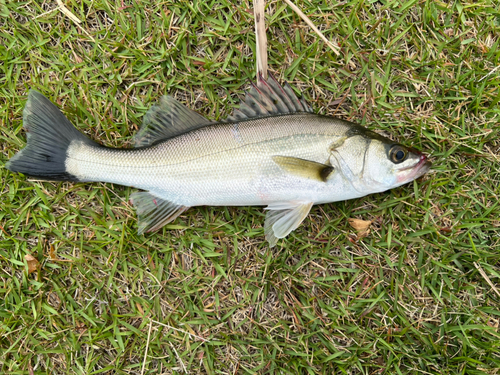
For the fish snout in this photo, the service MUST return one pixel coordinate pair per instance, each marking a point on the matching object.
(421, 167)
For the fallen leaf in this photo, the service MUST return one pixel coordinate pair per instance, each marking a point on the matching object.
(52, 253)
(32, 263)
(361, 226)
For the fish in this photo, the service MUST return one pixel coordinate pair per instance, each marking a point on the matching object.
(272, 151)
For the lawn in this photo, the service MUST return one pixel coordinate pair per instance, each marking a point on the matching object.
(82, 293)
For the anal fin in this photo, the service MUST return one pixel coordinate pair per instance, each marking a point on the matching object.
(284, 217)
(154, 212)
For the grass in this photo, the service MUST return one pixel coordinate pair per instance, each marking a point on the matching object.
(418, 295)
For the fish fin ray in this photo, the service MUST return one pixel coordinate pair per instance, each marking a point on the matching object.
(269, 98)
(154, 212)
(167, 119)
(284, 217)
(304, 168)
(50, 135)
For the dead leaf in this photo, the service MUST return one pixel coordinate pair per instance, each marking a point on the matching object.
(32, 263)
(361, 226)
(52, 253)
(139, 307)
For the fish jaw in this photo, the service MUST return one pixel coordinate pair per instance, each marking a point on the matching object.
(408, 174)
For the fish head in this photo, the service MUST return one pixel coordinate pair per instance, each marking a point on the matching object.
(391, 164)
(373, 163)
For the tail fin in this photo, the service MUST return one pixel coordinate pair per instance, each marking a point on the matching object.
(49, 135)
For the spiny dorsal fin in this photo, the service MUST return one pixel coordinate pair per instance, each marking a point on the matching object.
(269, 98)
(167, 119)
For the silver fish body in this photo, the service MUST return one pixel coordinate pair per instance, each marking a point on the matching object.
(274, 152)
(224, 164)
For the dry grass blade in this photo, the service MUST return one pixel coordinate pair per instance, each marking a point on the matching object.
(73, 18)
(485, 276)
(183, 331)
(260, 39)
(68, 13)
(184, 370)
(306, 19)
(147, 348)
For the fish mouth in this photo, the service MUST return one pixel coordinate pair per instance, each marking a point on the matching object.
(415, 171)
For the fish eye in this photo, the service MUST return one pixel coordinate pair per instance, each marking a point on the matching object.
(397, 154)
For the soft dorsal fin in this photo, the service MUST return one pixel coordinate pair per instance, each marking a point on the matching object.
(269, 98)
(167, 119)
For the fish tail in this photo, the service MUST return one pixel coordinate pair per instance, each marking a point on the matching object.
(50, 135)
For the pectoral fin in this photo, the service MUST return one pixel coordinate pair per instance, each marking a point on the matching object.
(153, 212)
(283, 218)
(304, 168)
